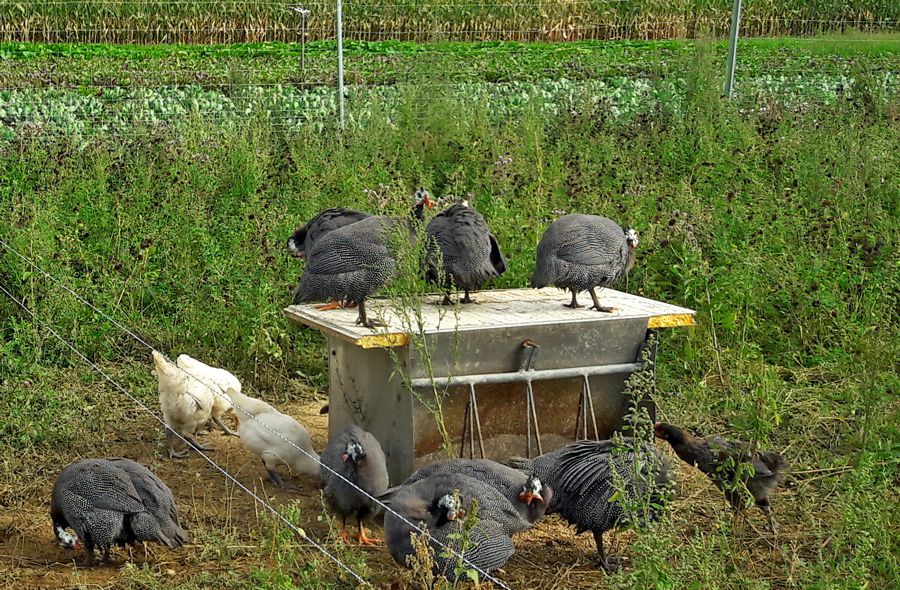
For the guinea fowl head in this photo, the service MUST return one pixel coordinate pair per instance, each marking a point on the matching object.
(631, 236)
(531, 491)
(65, 539)
(449, 508)
(355, 452)
(422, 199)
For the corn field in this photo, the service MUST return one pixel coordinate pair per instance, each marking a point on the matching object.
(210, 21)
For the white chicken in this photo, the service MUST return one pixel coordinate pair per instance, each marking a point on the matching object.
(186, 404)
(266, 434)
(219, 380)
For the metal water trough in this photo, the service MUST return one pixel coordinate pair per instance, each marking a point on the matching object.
(516, 373)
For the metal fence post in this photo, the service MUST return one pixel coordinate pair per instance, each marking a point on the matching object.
(303, 12)
(732, 48)
(340, 80)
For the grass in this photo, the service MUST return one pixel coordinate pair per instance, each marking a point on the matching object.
(777, 226)
(156, 21)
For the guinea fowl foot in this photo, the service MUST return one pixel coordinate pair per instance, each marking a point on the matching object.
(224, 428)
(371, 324)
(575, 305)
(328, 306)
(279, 483)
(605, 309)
(173, 454)
(467, 299)
(609, 563)
(345, 536)
(365, 540)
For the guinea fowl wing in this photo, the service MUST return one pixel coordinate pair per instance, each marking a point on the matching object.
(102, 484)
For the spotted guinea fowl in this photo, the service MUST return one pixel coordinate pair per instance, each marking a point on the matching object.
(528, 495)
(98, 500)
(582, 252)
(354, 261)
(462, 251)
(721, 459)
(305, 237)
(435, 503)
(156, 497)
(357, 456)
(583, 481)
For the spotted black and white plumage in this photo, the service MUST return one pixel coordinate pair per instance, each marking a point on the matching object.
(462, 251)
(99, 501)
(582, 252)
(583, 481)
(356, 455)
(161, 519)
(432, 502)
(305, 237)
(351, 262)
(525, 492)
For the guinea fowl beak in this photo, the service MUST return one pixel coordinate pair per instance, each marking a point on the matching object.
(529, 497)
(345, 457)
(428, 202)
(299, 254)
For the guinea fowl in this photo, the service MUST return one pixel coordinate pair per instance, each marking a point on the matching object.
(582, 252)
(582, 475)
(218, 380)
(156, 497)
(98, 500)
(305, 237)
(186, 403)
(436, 503)
(725, 462)
(528, 495)
(276, 438)
(357, 456)
(462, 251)
(354, 261)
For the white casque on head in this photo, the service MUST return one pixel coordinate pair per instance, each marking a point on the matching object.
(631, 236)
(66, 539)
(449, 503)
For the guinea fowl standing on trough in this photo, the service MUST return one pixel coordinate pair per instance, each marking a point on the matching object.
(354, 261)
(725, 462)
(461, 251)
(435, 503)
(186, 403)
(582, 252)
(583, 481)
(305, 237)
(98, 500)
(357, 456)
(276, 438)
(525, 492)
(218, 380)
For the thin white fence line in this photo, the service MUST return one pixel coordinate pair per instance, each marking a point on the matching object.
(315, 458)
(302, 533)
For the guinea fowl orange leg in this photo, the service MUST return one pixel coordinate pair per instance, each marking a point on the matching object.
(336, 304)
(574, 304)
(597, 305)
(363, 539)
